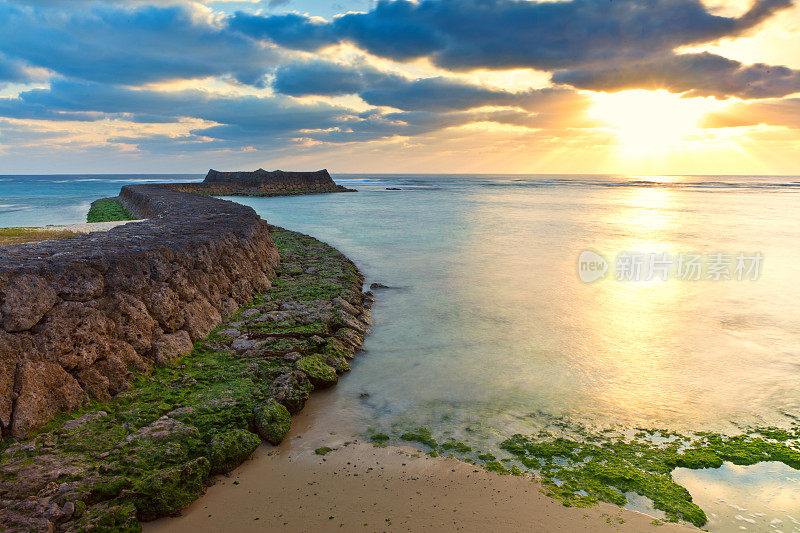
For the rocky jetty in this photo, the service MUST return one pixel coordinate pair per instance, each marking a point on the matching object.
(151, 450)
(80, 316)
(264, 183)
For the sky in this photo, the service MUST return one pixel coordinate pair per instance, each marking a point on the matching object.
(644, 87)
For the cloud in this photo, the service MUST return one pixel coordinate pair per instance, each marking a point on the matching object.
(504, 34)
(701, 74)
(384, 89)
(290, 29)
(442, 94)
(131, 45)
(243, 119)
(12, 70)
(785, 113)
(326, 78)
(278, 114)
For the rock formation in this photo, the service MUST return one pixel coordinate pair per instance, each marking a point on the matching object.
(79, 315)
(264, 183)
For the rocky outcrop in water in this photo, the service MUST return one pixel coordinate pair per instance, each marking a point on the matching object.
(264, 183)
(79, 316)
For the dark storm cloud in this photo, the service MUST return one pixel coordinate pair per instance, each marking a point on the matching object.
(501, 34)
(693, 74)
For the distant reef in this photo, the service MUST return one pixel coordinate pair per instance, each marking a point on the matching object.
(264, 183)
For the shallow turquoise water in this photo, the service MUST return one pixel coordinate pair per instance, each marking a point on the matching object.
(488, 329)
(490, 325)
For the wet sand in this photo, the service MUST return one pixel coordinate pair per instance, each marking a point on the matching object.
(361, 487)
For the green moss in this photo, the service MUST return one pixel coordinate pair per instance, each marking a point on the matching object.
(107, 210)
(496, 466)
(319, 373)
(229, 450)
(212, 398)
(323, 450)
(109, 517)
(168, 491)
(608, 467)
(455, 446)
(379, 437)
(422, 436)
(273, 422)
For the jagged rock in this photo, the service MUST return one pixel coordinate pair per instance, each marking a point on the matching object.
(292, 389)
(11, 350)
(272, 421)
(319, 373)
(229, 450)
(43, 388)
(229, 332)
(26, 299)
(165, 428)
(74, 334)
(262, 182)
(170, 347)
(349, 321)
(133, 322)
(248, 313)
(79, 283)
(165, 306)
(244, 344)
(200, 318)
(99, 305)
(346, 306)
(107, 517)
(350, 337)
(83, 420)
(337, 348)
(168, 491)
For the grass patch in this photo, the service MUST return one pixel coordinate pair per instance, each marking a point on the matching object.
(107, 210)
(22, 235)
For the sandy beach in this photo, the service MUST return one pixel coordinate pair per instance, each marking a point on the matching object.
(360, 486)
(88, 227)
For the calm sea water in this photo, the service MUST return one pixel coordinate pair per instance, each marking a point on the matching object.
(488, 329)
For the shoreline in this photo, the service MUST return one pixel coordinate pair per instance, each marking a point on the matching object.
(296, 460)
(361, 485)
(148, 451)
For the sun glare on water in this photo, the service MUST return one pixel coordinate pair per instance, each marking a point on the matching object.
(650, 122)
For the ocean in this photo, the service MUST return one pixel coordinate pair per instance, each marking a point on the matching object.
(492, 326)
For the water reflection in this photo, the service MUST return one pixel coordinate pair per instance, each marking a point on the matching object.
(761, 497)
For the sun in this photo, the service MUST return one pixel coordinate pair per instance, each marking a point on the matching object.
(650, 122)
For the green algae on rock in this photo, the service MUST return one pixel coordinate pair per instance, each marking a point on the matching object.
(272, 421)
(591, 466)
(149, 451)
(229, 450)
(582, 472)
